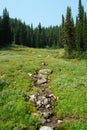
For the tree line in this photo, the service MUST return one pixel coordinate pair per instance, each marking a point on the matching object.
(16, 31)
(71, 34)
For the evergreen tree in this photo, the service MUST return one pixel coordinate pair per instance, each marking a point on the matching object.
(77, 35)
(6, 29)
(32, 36)
(80, 24)
(20, 33)
(85, 32)
(63, 31)
(0, 31)
(69, 32)
(40, 35)
(23, 34)
(29, 37)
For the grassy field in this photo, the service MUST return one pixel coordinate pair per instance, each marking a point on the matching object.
(68, 83)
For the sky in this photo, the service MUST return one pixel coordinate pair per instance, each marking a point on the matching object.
(47, 12)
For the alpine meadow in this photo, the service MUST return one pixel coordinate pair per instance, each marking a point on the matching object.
(43, 73)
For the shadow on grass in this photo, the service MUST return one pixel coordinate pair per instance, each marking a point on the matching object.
(61, 128)
(8, 47)
(2, 85)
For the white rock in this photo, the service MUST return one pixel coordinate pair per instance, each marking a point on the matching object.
(39, 103)
(45, 114)
(45, 71)
(48, 120)
(59, 121)
(45, 101)
(41, 81)
(43, 97)
(32, 98)
(30, 75)
(45, 128)
(48, 106)
(52, 96)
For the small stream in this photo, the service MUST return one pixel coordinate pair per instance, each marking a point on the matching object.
(45, 99)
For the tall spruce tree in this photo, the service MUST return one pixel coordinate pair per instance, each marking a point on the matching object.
(69, 32)
(63, 31)
(77, 35)
(85, 32)
(80, 25)
(0, 31)
(6, 29)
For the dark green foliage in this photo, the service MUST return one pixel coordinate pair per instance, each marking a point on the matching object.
(63, 30)
(15, 31)
(0, 30)
(74, 37)
(68, 32)
(85, 32)
(5, 29)
(81, 29)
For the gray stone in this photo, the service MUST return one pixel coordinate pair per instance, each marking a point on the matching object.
(52, 97)
(41, 76)
(43, 121)
(44, 84)
(48, 120)
(45, 128)
(48, 106)
(45, 71)
(45, 114)
(41, 81)
(50, 112)
(39, 103)
(45, 101)
(39, 97)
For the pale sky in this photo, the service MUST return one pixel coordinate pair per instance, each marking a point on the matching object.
(48, 12)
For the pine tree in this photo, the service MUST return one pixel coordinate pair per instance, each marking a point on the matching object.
(69, 32)
(0, 31)
(80, 24)
(39, 35)
(63, 31)
(6, 29)
(85, 32)
(77, 35)
(32, 36)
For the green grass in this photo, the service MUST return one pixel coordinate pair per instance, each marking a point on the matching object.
(70, 86)
(68, 83)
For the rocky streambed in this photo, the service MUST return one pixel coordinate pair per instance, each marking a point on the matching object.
(44, 100)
